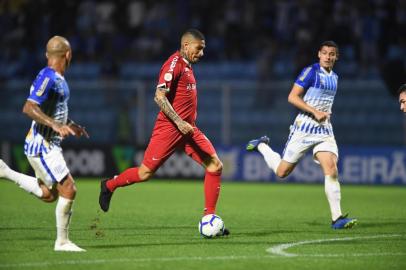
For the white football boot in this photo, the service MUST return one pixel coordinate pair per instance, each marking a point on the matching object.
(68, 246)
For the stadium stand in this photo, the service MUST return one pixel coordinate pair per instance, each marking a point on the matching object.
(254, 51)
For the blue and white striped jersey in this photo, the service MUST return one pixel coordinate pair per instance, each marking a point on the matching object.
(51, 92)
(320, 87)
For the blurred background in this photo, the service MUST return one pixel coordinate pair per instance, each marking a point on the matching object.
(255, 50)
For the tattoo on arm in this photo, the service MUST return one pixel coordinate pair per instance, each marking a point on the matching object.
(166, 106)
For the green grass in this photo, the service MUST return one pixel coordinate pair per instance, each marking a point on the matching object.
(154, 226)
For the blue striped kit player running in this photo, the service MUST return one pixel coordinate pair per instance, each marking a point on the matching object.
(47, 106)
(313, 94)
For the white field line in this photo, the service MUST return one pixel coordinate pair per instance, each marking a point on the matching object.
(280, 249)
(276, 252)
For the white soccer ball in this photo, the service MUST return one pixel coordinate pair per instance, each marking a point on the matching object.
(211, 225)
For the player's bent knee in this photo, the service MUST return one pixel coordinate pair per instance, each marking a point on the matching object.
(282, 173)
(48, 195)
(49, 199)
(67, 189)
(145, 175)
(215, 166)
(331, 170)
(71, 188)
(69, 194)
(219, 166)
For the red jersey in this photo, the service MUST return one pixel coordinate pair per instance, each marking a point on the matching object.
(177, 75)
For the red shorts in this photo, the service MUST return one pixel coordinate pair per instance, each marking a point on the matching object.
(166, 139)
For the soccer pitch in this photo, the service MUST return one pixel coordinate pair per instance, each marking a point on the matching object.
(153, 225)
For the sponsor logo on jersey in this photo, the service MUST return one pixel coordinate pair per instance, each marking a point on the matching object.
(173, 64)
(308, 142)
(43, 86)
(305, 73)
(191, 86)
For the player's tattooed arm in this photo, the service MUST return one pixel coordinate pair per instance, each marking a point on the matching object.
(166, 107)
(34, 112)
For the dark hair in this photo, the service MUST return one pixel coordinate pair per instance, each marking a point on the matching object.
(402, 88)
(329, 43)
(194, 33)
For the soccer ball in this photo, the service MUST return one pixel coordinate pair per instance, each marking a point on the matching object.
(211, 225)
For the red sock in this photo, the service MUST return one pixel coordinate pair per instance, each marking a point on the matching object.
(211, 191)
(128, 177)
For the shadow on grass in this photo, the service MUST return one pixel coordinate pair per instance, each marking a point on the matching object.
(149, 228)
(197, 242)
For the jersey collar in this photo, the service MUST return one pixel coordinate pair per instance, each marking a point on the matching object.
(57, 73)
(325, 71)
(184, 59)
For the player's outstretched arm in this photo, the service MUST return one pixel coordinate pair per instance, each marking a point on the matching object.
(166, 107)
(296, 99)
(34, 112)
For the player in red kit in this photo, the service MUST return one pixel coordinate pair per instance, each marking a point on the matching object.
(175, 127)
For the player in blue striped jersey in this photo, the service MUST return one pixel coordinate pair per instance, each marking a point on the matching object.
(47, 105)
(313, 94)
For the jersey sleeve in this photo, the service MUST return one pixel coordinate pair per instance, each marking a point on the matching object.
(170, 73)
(41, 87)
(306, 77)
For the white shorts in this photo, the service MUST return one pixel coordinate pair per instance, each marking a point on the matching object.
(50, 168)
(299, 143)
